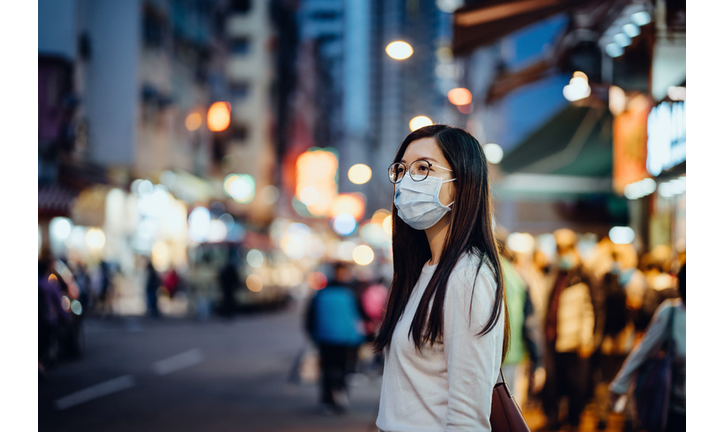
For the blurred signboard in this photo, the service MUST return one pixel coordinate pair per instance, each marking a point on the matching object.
(629, 143)
(666, 137)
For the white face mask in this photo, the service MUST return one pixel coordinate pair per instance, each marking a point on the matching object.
(418, 203)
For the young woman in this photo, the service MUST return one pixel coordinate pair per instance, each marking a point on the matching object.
(445, 330)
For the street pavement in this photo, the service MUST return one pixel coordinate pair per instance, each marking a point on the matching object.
(220, 375)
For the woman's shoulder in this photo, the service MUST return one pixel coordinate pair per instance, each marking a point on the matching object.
(469, 271)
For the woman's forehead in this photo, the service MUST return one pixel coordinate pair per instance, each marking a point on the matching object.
(424, 148)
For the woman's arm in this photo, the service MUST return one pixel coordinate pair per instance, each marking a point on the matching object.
(650, 343)
(473, 361)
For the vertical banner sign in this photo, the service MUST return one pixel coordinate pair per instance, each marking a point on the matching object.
(629, 144)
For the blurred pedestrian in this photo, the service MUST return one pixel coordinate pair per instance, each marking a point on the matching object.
(618, 337)
(172, 282)
(569, 334)
(660, 285)
(525, 333)
(374, 298)
(667, 327)
(334, 322)
(446, 329)
(50, 315)
(153, 283)
(230, 282)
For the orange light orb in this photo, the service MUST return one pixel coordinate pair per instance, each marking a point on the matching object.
(219, 116)
(193, 121)
(460, 96)
(317, 281)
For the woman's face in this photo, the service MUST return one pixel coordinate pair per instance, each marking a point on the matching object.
(427, 149)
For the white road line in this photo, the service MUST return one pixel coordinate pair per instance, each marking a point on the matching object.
(96, 391)
(179, 361)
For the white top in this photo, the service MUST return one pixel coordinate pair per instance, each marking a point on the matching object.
(449, 386)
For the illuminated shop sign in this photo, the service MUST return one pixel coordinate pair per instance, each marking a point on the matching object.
(666, 129)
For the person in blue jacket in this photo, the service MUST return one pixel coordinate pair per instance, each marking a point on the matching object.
(334, 321)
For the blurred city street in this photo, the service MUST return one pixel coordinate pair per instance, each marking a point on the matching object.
(236, 200)
(222, 376)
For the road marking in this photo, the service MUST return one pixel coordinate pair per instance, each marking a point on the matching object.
(179, 361)
(96, 391)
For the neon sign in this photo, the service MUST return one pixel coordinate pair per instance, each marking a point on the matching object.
(666, 146)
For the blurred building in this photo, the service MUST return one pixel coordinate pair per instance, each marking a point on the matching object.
(352, 96)
(568, 152)
(248, 146)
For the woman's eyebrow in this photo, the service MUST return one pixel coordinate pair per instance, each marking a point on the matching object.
(423, 158)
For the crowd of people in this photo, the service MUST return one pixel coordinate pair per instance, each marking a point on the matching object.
(588, 325)
(581, 329)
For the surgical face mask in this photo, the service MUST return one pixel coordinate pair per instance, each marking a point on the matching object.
(418, 203)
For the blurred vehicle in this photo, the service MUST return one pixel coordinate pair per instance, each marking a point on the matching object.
(257, 289)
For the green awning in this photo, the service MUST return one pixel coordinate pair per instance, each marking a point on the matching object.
(575, 142)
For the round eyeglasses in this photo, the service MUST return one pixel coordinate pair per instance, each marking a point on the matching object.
(419, 170)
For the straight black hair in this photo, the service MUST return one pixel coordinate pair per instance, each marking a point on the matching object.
(471, 231)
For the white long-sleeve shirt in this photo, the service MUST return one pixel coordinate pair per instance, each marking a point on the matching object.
(447, 387)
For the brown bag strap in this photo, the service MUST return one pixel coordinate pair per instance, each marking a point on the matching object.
(501, 380)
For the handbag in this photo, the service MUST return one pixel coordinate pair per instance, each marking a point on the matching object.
(653, 385)
(505, 414)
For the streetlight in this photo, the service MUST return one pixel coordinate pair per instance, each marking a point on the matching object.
(399, 50)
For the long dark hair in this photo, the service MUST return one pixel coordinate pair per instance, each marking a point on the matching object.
(470, 231)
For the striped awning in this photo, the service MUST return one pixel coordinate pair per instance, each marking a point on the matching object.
(55, 200)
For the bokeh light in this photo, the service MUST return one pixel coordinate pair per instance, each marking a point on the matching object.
(161, 256)
(344, 224)
(240, 187)
(217, 231)
(359, 174)
(317, 169)
(380, 216)
(399, 50)
(418, 122)
(95, 238)
(493, 153)
(309, 196)
(521, 242)
(621, 235)
(387, 225)
(352, 203)
(255, 258)
(254, 283)
(219, 116)
(60, 228)
(317, 280)
(270, 194)
(76, 307)
(363, 255)
(193, 121)
(460, 96)
(199, 224)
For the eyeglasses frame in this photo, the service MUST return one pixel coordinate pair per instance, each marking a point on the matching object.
(407, 169)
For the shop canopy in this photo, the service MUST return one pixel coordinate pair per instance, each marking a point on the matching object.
(571, 154)
(577, 141)
(486, 21)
